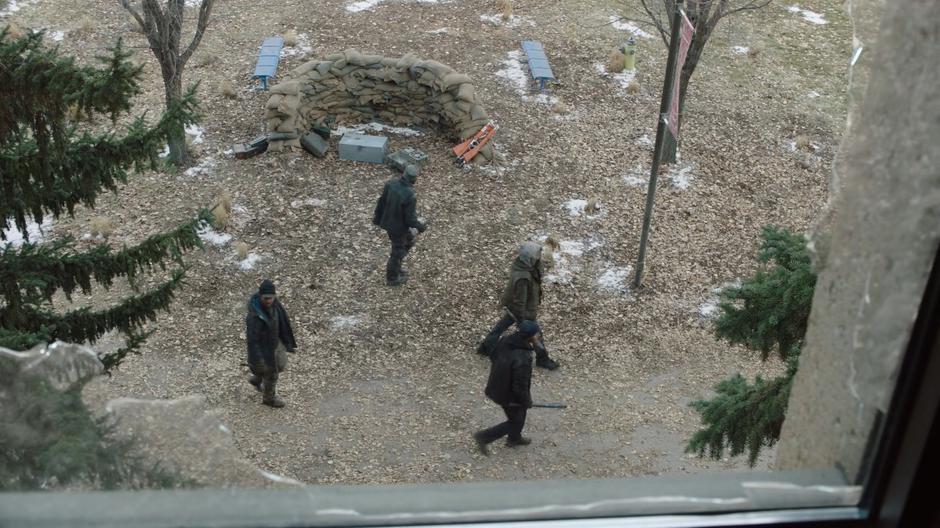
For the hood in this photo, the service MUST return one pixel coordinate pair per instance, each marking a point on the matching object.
(518, 340)
(254, 306)
(530, 255)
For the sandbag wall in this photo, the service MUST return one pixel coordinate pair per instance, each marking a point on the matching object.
(351, 87)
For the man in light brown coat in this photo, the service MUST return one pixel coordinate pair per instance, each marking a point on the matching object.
(521, 299)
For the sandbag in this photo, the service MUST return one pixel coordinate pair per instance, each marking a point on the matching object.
(453, 79)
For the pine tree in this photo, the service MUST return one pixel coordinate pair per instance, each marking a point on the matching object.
(48, 165)
(768, 312)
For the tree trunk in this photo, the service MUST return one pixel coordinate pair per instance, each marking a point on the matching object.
(173, 85)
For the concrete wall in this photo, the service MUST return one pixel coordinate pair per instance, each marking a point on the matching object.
(884, 233)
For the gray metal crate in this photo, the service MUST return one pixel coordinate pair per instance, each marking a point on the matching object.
(360, 147)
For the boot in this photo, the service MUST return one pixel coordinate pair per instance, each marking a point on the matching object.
(481, 443)
(521, 441)
(542, 360)
(398, 281)
(255, 381)
(270, 396)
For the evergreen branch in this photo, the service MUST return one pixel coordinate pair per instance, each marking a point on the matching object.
(771, 310)
(38, 271)
(741, 417)
(83, 325)
(134, 341)
(86, 164)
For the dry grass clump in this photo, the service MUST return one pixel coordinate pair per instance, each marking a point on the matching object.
(753, 52)
(505, 9)
(101, 226)
(221, 210)
(76, 113)
(633, 88)
(85, 27)
(14, 30)
(207, 60)
(241, 249)
(227, 89)
(615, 62)
(802, 142)
(592, 206)
(551, 244)
(290, 38)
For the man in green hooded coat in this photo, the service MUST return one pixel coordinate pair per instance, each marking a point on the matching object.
(395, 213)
(521, 299)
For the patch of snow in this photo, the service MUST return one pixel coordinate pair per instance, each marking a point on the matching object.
(565, 263)
(576, 206)
(57, 36)
(302, 48)
(514, 73)
(35, 233)
(369, 5)
(196, 132)
(644, 141)
(377, 127)
(211, 236)
(615, 279)
(813, 94)
(624, 25)
(193, 3)
(205, 167)
(638, 177)
(517, 76)
(341, 322)
(165, 152)
(13, 6)
(681, 177)
(739, 50)
(309, 202)
(809, 16)
(440, 31)
(623, 78)
(512, 21)
(249, 262)
(708, 309)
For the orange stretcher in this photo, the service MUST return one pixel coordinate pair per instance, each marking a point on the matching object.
(469, 148)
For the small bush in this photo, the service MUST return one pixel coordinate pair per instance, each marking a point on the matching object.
(241, 249)
(505, 9)
(290, 38)
(615, 62)
(101, 226)
(227, 89)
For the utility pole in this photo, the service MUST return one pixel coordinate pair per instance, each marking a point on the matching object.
(660, 137)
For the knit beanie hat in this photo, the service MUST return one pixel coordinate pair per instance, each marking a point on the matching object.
(266, 288)
(528, 328)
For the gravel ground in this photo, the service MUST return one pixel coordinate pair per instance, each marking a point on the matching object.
(386, 386)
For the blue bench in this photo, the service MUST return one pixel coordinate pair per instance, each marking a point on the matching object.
(268, 58)
(538, 62)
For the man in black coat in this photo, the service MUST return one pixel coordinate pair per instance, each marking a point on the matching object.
(270, 337)
(508, 385)
(395, 213)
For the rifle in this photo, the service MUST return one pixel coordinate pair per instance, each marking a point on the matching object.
(550, 405)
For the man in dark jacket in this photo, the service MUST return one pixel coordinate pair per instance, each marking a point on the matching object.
(508, 385)
(270, 337)
(395, 213)
(521, 299)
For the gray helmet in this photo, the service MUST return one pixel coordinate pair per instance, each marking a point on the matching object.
(411, 173)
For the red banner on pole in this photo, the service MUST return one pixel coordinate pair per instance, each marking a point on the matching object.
(685, 40)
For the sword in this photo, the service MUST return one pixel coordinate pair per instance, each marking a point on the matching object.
(550, 405)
